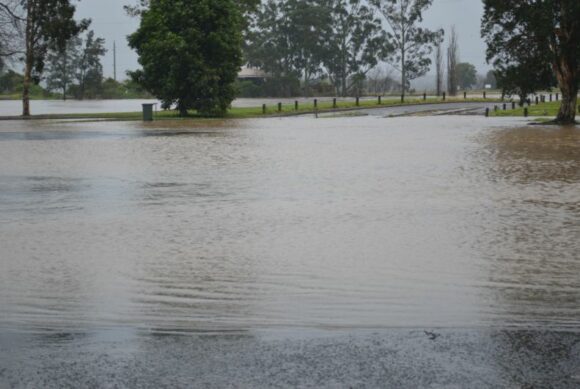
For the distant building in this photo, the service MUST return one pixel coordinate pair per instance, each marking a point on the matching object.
(252, 74)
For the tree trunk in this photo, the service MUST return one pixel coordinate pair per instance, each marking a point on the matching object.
(181, 108)
(29, 64)
(568, 81)
(567, 113)
(26, 87)
(403, 75)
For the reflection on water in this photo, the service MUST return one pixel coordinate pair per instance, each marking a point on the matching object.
(330, 223)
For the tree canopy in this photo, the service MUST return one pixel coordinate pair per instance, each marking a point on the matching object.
(412, 43)
(466, 75)
(526, 35)
(190, 53)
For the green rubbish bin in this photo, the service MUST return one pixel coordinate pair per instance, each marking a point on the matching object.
(148, 112)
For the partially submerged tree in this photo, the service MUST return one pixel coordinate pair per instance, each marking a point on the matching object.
(354, 43)
(519, 33)
(452, 62)
(43, 24)
(412, 44)
(190, 52)
(466, 75)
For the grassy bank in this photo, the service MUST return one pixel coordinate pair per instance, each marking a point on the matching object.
(270, 110)
(540, 110)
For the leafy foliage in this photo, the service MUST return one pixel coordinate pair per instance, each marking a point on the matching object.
(42, 24)
(285, 39)
(353, 44)
(466, 75)
(524, 36)
(412, 44)
(190, 52)
(78, 67)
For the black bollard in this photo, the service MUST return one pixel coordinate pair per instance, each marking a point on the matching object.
(334, 103)
(315, 103)
(550, 97)
(504, 106)
(264, 109)
(487, 112)
(296, 105)
(279, 107)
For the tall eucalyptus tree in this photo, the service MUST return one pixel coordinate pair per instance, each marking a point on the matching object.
(412, 43)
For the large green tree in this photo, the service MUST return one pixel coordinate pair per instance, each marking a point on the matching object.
(531, 32)
(354, 42)
(466, 75)
(77, 67)
(42, 24)
(413, 44)
(285, 41)
(61, 65)
(190, 53)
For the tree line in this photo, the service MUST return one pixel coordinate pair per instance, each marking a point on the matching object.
(191, 51)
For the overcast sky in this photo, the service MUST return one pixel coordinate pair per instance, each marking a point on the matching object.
(111, 23)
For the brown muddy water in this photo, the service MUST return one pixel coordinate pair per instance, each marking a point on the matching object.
(335, 223)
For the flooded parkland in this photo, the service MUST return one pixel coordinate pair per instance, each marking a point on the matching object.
(286, 252)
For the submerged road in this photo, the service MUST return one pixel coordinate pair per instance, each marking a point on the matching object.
(355, 251)
(398, 358)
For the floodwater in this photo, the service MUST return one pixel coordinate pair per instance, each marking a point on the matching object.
(300, 225)
(319, 223)
(51, 107)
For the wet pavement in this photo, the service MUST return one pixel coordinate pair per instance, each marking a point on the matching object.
(361, 251)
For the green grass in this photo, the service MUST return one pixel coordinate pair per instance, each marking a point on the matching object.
(271, 110)
(542, 109)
